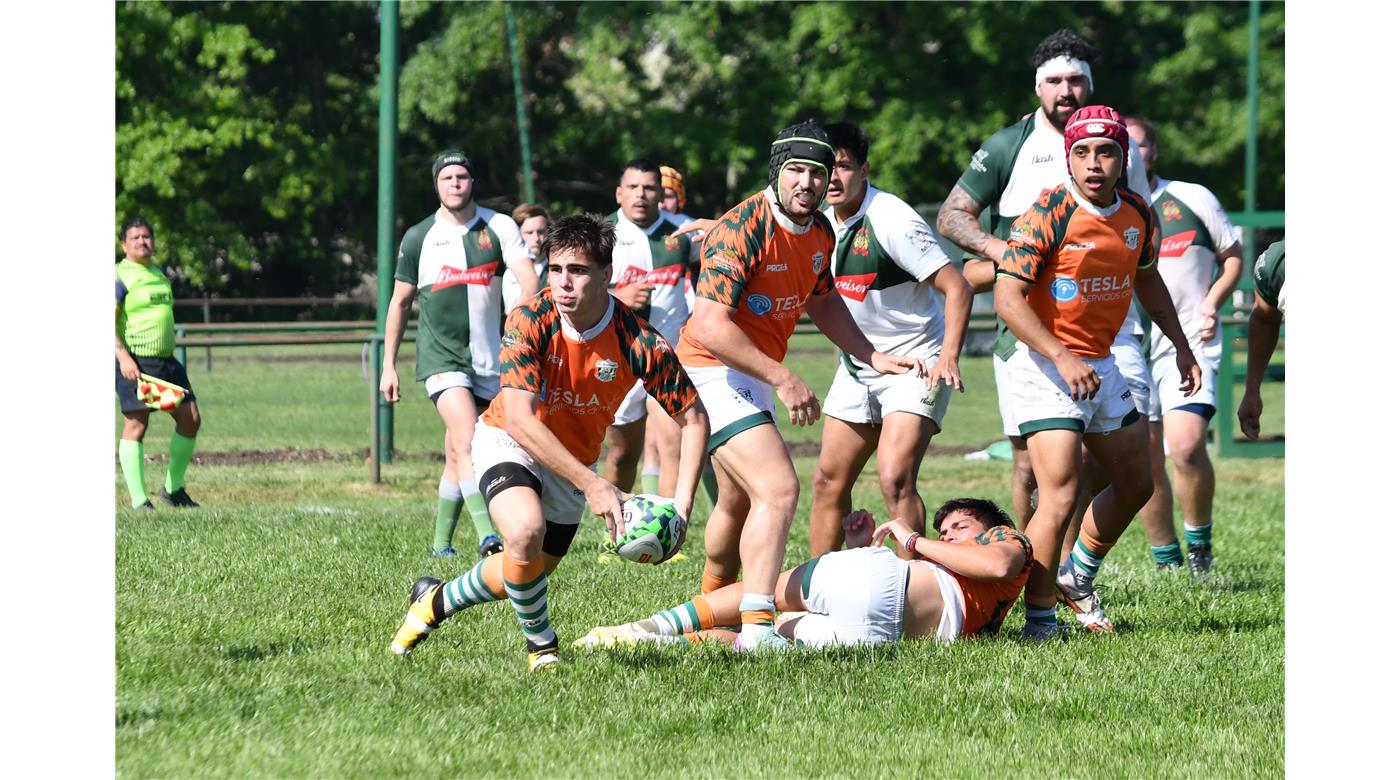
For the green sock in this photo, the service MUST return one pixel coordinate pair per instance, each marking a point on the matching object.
(476, 507)
(651, 481)
(711, 483)
(1198, 534)
(1168, 554)
(181, 448)
(449, 509)
(133, 458)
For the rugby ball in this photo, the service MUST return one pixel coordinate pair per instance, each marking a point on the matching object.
(652, 530)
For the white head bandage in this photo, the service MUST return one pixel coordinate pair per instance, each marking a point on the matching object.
(1063, 64)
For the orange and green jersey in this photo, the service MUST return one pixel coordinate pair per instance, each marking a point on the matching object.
(1080, 261)
(581, 378)
(985, 602)
(146, 316)
(764, 266)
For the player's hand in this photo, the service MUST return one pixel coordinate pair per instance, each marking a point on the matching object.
(1190, 372)
(946, 372)
(859, 527)
(898, 529)
(1082, 380)
(635, 296)
(130, 371)
(896, 364)
(701, 225)
(389, 384)
(1251, 406)
(606, 500)
(802, 405)
(1210, 318)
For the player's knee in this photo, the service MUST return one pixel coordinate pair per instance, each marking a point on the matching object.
(133, 428)
(190, 425)
(824, 483)
(896, 484)
(1135, 488)
(781, 496)
(1058, 500)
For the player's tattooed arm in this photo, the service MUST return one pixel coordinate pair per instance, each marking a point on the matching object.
(957, 221)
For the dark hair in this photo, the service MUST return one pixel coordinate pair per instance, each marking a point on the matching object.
(527, 211)
(591, 233)
(135, 222)
(849, 136)
(985, 511)
(1148, 131)
(643, 164)
(1063, 43)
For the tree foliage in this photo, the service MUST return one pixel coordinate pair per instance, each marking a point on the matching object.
(247, 132)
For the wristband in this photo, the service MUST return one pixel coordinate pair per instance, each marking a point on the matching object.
(909, 543)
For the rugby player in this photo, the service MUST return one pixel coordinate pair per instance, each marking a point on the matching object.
(762, 264)
(1197, 239)
(1264, 323)
(532, 221)
(146, 345)
(453, 262)
(959, 585)
(568, 358)
(1063, 288)
(887, 266)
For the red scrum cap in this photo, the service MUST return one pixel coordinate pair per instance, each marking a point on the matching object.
(1092, 122)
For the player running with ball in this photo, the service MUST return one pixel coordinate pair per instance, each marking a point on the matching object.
(569, 356)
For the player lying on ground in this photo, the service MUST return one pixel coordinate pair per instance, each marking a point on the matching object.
(960, 584)
(568, 357)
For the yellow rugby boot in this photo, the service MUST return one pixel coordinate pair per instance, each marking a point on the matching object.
(421, 617)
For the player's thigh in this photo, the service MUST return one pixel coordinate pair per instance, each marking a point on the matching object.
(1054, 458)
(757, 460)
(845, 449)
(458, 411)
(624, 442)
(1184, 431)
(187, 417)
(1123, 456)
(134, 423)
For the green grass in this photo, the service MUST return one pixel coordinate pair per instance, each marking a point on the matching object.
(252, 634)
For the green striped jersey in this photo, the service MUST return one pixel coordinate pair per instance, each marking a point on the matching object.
(146, 316)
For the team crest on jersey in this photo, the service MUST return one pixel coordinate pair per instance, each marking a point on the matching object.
(860, 245)
(672, 243)
(817, 262)
(483, 240)
(1131, 236)
(607, 370)
(1170, 211)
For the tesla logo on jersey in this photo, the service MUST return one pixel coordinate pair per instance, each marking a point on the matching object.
(1131, 236)
(1064, 289)
(759, 303)
(1176, 246)
(450, 277)
(607, 370)
(855, 286)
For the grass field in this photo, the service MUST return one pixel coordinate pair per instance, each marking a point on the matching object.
(252, 634)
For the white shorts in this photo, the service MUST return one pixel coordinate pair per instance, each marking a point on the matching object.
(734, 401)
(634, 405)
(561, 501)
(1040, 398)
(853, 597)
(867, 399)
(1166, 381)
(1002, 381)
(950, 626)
(1127, 353)
(484, 387)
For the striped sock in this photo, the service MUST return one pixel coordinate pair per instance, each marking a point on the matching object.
(758, 612)
(482, 583)
(687, 618)
(1044, 616)
(449, 509)
(651, 480)
(1088, 554)
(527, 587)
(1199, 534)
(1168, 554)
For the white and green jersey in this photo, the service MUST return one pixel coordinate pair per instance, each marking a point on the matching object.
(650, 254)
(1195, 230)
(146, 320)
(1269, 277)
(885, 255)
(1010, 171)
(510, 286)
(457, 270)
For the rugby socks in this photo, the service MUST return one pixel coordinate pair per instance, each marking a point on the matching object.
(133, 459)
(758, 612)
(482, 583)
(1168, 555)
(1088, 554)
(1199, 534)
(527, 587)
(476, 506)
(692, 616)
(181, 449)
(710, 582)
(1040, 616)
(449, 509)
(651, 480)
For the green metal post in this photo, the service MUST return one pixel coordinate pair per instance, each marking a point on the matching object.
(520, 120)
(388, 184)
(1251, 149)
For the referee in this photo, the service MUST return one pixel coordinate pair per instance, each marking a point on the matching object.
(146, 345)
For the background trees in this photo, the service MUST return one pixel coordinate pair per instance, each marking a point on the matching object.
(247, 131)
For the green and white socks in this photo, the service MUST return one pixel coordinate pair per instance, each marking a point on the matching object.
(449, 509)
(1198, 534)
